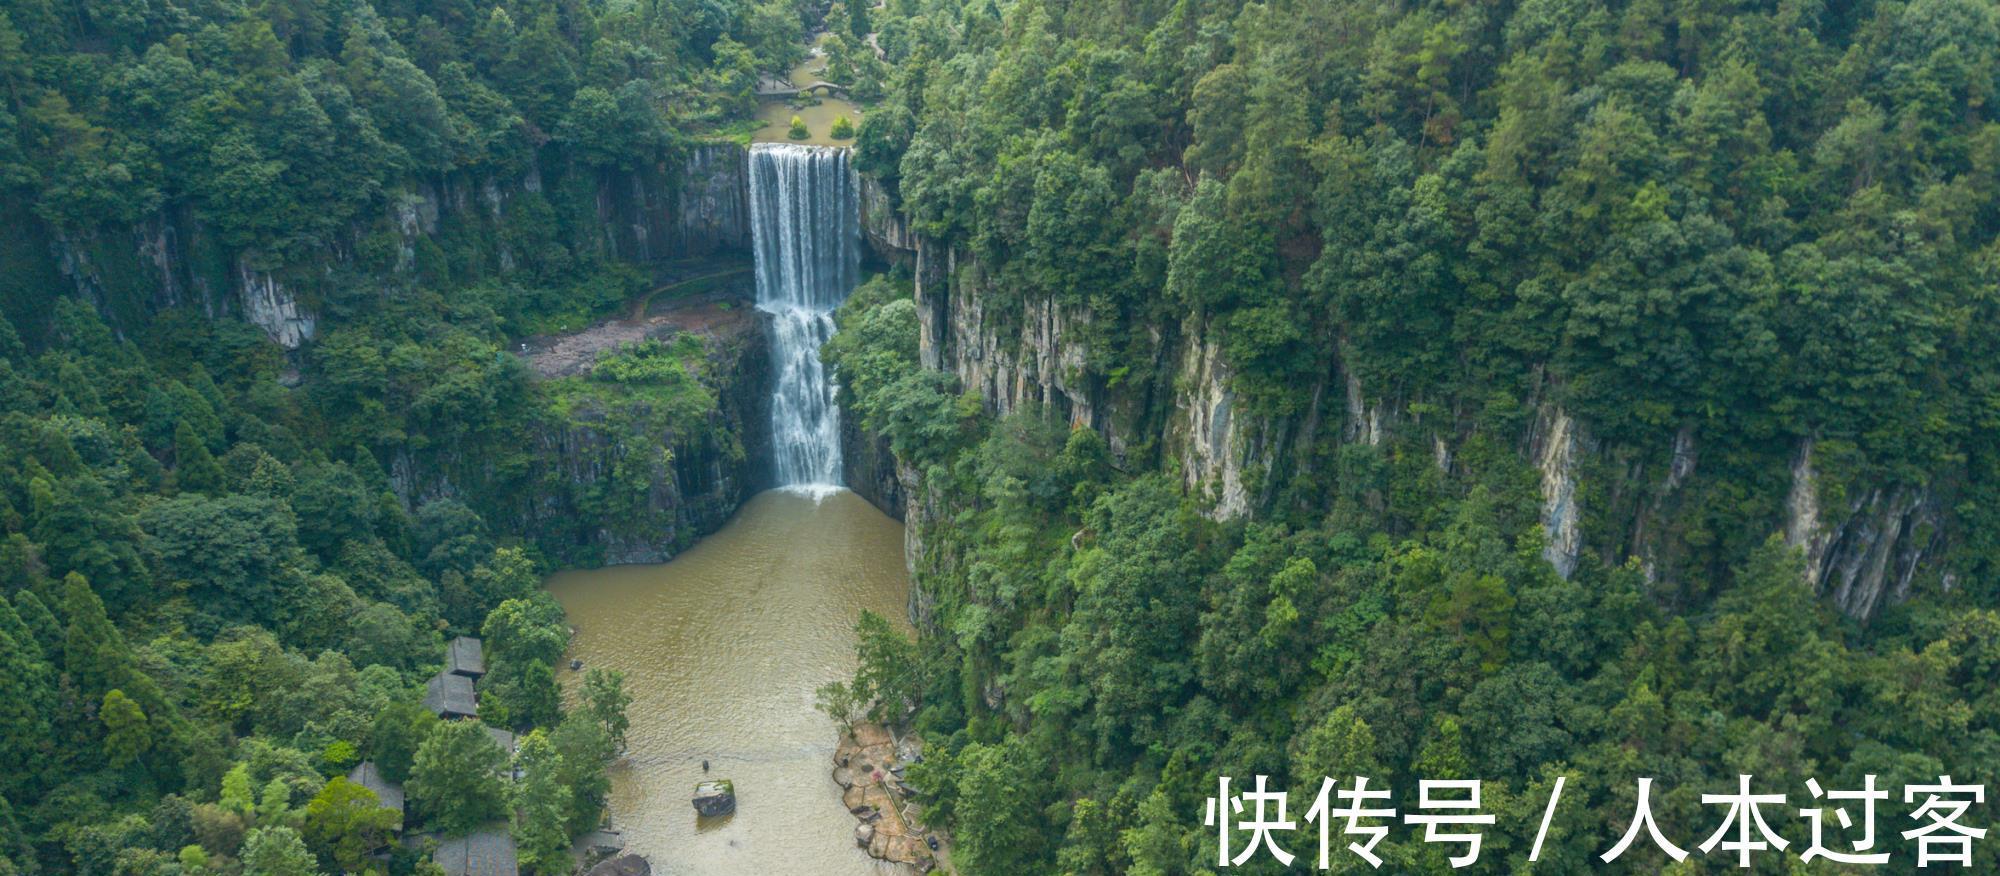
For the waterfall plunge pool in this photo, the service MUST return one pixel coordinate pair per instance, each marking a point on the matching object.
(722, 649)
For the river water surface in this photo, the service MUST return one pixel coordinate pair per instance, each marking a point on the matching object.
(722, 649)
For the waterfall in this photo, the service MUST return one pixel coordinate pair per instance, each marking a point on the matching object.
(805, 222)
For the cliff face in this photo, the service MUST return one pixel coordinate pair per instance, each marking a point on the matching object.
(1554, 445)
(611, 476)
(695, 205)
(871, 470)
(601, 479)
(1868, 549)
(868, 466)
(1611, 502)
(669, 212)
(888, 235)
(694, 477)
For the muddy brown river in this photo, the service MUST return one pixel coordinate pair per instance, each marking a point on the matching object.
(722, 649)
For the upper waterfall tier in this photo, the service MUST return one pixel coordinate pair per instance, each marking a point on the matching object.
(805, 213)
(805, 219)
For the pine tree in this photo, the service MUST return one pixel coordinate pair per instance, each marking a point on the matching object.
(36, 616)
(20, 565)
(541, 806)
(237, 795)
(24, 638)
(128, 734)
(24, 700)
(277, 851)
(10, 342)
(16, 855)
(456, 778)
(195, 469)
(95, 654)
(274, 802)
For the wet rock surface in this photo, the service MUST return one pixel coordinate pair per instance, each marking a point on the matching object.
(625, 865)
(715, 799)
(868, 765)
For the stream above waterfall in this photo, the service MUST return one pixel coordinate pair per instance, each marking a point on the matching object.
(722, 650)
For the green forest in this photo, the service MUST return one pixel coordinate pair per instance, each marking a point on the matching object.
(1740, 246)
(217, 602)
(1759, 225)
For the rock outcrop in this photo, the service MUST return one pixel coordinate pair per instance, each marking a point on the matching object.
(673, 211)
(868, 766)
(1868, 551)
(715, 799)
(1554, 448)
(623, 865)
(1170, 402)
(882, 224)
(870, 469)
(695, 475)
(693, 488)
(1225, 452)
(268, 305)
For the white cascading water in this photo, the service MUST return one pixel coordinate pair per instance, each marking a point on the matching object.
(805, 222)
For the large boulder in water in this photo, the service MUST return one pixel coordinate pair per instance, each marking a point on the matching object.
(715, 798)
(626, 865)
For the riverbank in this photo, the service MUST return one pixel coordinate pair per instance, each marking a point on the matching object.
(868, 765)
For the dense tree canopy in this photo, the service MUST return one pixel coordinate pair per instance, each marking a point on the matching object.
(217, 602)
(1756, 228)
(1770, 227)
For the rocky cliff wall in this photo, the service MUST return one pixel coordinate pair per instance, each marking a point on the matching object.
(870, 469)
(1611, 502)
(1867, 550)
(687, 206)
(868, 466)
(590, 454)
(888, 236)
(692, 488)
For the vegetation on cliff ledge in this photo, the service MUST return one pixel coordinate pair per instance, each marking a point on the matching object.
(1757, 225)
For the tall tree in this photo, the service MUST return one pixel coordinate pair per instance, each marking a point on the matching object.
(94, 652)
(398, 731)
(605, 701)
(195, 469)
(25, 700)
(346, 822)
(128, 735)
(277, 851)
(455, 780)
(542, 803)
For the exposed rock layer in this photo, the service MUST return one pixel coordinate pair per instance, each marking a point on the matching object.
(693, 205)
(1175, 406)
